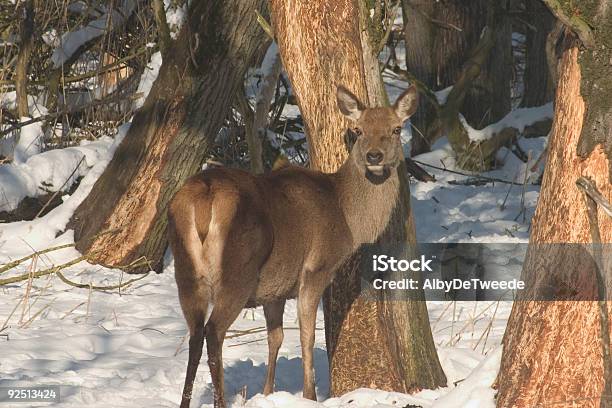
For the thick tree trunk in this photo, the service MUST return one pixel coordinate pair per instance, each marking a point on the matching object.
(419, 38)
(553, 350)
(489, 97)
(124, 217)
(539, 88)
(370, 343)
(440, 38)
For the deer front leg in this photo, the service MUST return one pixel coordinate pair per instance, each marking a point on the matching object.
(308, 301)
(274, 323)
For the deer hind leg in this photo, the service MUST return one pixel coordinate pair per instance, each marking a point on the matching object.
(308, 301)
(274, 323)
(194, 297)
(196, 343)
(228, 305)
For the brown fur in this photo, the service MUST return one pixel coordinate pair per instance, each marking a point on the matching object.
(243, 240)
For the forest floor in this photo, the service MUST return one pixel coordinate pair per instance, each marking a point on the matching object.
(128, 349)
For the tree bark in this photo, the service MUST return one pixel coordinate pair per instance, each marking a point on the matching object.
(552, 350)
(418, 38)
(124, 217)
(440, 39)
(376, 344)
(489, 97)
(539, 88)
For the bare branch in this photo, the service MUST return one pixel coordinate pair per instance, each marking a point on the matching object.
(574, 22)
(165, 40)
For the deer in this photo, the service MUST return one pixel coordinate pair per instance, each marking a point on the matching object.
(243, 240)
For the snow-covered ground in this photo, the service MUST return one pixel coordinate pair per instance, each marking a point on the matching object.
(128, 348)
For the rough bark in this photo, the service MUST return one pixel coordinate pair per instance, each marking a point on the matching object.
(552, 350)
(124, 219)
(370, 343)
(539, 88)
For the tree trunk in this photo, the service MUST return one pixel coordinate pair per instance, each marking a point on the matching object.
(488, 99)
(440, 38)
(419, 38)
(124, 217)
(553, 350)
(370, 343)
(539, 88)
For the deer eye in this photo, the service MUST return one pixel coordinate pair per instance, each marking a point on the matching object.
(357, 131)
(397, 130)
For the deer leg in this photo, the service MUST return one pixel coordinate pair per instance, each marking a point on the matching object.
(274, 323)
(214, 347)
(196, 342)
(226, 310)
(307, 313)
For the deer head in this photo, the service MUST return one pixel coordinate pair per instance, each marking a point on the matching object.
(377, 145)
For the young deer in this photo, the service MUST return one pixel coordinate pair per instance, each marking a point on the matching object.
(241, 240)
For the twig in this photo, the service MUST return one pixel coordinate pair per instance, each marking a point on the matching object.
(95, 287)
(72, 310)
(478, 176)
(17, 126)
(265, 25)
(59, 189)
(44, 272)
(13, 264)
(590, 189)
(523, 209)
(5, 325)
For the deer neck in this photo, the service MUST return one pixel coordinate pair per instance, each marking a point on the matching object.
(367, 207)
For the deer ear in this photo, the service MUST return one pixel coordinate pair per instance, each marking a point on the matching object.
(407, 103)
(348, 103)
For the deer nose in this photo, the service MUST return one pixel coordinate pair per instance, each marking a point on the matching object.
(374, 157)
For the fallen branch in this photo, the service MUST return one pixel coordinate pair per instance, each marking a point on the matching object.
(12, 264)
(473, 177)
(44, 272)
(94, 287)
(56, 270)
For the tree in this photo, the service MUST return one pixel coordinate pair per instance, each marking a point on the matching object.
(553, 349)
(539, 87)
(440, 39)
(376, 344)
(124, 217)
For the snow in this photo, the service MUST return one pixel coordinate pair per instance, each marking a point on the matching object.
(30, 136)
(128, 347)
(148, 77)
(52, 169)
(72, 41)
(30, 141)
(175, 16)
(517, 118)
